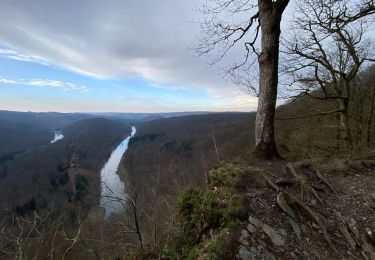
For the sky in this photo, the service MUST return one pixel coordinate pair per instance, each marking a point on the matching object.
(108, 56)
(112, 56)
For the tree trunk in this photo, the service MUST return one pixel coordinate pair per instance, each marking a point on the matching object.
(344, 123)
(370, 119)
(270, 13)
(338, 133)
(360, 126)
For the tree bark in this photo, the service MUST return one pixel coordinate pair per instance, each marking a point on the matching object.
(270, 13)
(344, 124)
(338, 133)
(370, 119)
(360, 125)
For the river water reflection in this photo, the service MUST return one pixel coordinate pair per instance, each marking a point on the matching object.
(112, 188)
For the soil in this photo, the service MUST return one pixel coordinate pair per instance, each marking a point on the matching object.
(311, 214)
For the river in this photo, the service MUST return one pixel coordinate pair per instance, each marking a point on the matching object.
(58, 136)
(112, 194)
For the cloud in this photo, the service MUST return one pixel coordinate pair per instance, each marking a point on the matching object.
(7, 81)
(14, 55)
(113, 40)
(66, 86)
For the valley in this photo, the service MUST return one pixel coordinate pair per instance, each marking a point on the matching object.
(62, 172)
(187, 130)
(103, 171)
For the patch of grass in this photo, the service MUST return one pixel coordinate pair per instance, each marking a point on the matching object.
(193, 254)
(222, 246)
(197, 212)
(227, 175)
(235, 208)
(233, 224)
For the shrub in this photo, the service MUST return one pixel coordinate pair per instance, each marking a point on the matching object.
(197, 212)
(222, 246)
(235, 208)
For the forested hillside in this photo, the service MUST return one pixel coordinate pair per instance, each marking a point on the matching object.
(64, 172)
(20, 131)
(168, 155)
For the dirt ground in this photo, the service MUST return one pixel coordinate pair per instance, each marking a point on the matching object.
(309, 211)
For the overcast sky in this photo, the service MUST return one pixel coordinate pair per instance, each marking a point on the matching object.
(118, 55)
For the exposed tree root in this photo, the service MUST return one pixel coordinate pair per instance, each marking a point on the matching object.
(341, 224)
(300, 178)
(358, 239)
(325, 181)
(291, 199)
(284, 205)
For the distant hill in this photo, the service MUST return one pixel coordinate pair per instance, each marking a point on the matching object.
(17, 137)
(47, 120)
(21, 131)
(64, 172)
(150, 116)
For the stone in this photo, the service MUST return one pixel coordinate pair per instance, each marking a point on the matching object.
(244, 238)
(284, 205)
(251, 228)
(243, 241)
(270, 256)
(353, 227)
(244, 254)
(369, 232)
(256, 222)
(275, 237)
(295, 227)
(244, 234)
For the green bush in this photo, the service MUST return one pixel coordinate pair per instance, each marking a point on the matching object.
(197, 212)
(223, 245)
(193, 255)
(235, 209)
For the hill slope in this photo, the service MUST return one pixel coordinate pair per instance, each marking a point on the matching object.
(21, 131)
(53, 173)
(168, 155)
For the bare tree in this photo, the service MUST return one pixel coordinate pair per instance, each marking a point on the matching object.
(327, 50)
(227, 24)
(369, 80)
(40, 235)
(131, 224)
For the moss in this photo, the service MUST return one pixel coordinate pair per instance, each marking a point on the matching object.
(233, 224)
(227, 175)
(193, 254)
(221, 246)
(197, 212)
(236, 208)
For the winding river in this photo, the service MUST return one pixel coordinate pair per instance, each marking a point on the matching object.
(112, 188)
